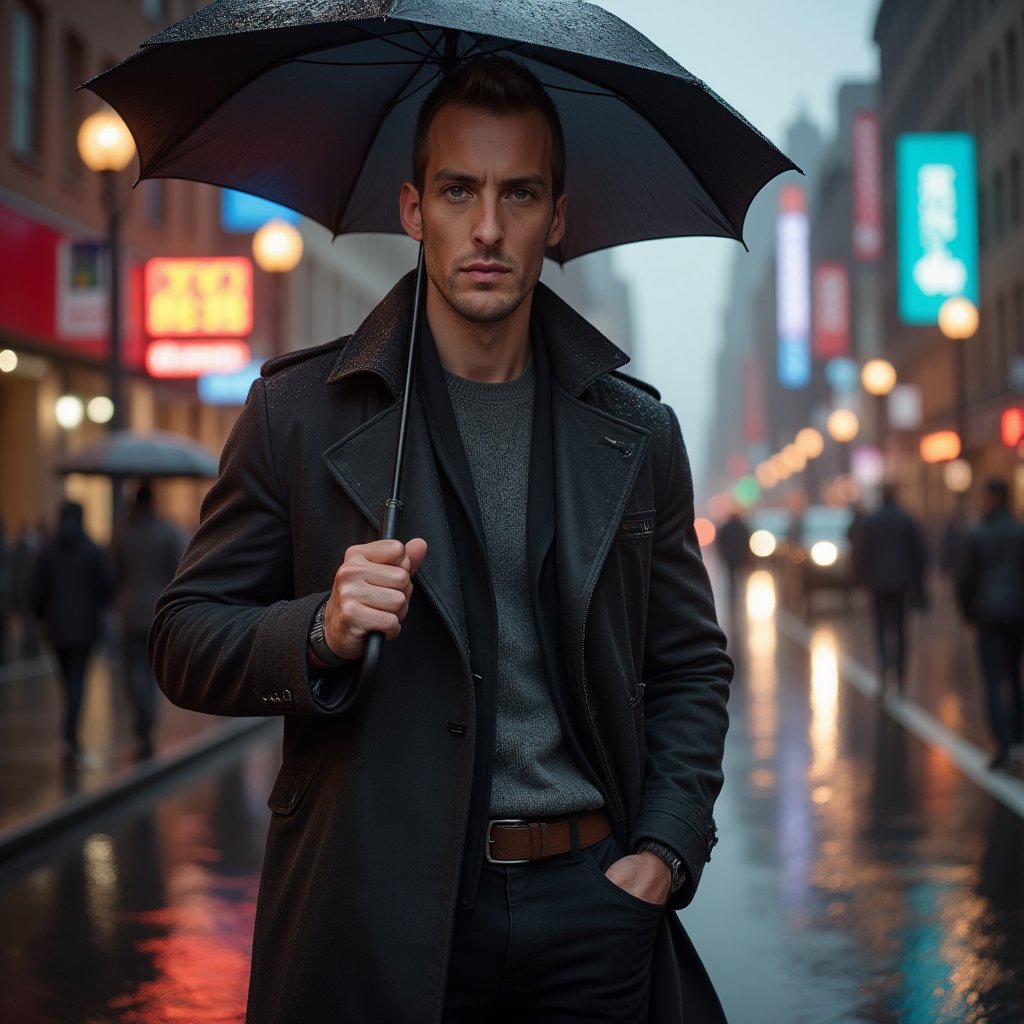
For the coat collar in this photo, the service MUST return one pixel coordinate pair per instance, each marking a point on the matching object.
(582, 353)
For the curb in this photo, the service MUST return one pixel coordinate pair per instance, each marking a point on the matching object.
(38, 828)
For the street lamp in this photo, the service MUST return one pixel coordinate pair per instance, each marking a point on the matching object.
(878, 378)
(958, 321)
(106, 147)
(843, 426)
(277, 249)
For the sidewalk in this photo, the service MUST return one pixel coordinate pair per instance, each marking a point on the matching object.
(40, 795)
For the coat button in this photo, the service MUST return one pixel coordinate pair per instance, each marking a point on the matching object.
(286, 696)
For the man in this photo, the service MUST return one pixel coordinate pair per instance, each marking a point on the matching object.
(990, 591)
(501, 826)
(733, 544)
(146, 550)
(892, 556)
(71, 585)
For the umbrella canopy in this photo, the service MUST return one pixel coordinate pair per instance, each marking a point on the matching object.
(313, 104)
(157, 453)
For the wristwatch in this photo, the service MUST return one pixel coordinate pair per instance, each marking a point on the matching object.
(669, 856)
(318, 642)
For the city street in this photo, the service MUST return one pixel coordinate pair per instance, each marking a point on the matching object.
(861, 875)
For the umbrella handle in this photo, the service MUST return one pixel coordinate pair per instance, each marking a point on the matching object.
(390, 527)
(391, 519)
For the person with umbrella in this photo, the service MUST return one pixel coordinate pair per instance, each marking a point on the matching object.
(496, 811)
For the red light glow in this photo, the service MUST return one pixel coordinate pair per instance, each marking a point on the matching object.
(167, 358)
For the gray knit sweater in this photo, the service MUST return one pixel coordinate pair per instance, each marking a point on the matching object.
(534, 774)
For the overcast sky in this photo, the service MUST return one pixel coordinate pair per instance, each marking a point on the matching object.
(769, 59)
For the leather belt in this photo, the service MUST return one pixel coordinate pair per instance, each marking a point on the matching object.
(518, 840)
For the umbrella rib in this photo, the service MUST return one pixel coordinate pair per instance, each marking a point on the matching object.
(388, 107)
(737, 231)
(183, 134)
(356, 63)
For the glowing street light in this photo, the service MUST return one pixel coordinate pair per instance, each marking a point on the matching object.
(277, 249)
(843, 425)
(810, 442)
(958, 318)
(878, 376)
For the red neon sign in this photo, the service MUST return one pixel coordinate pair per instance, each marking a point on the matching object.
(1011, 427)
(172, 358)
(208, 297)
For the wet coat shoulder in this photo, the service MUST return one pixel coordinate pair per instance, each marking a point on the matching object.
(634, 401)
(312, 359)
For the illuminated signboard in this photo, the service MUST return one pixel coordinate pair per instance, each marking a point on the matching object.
(241, 212)
(175, 358)
(227, 388)
(867, 186)
(831, 310)
(937, 223)
(199, 298)
(792, 289)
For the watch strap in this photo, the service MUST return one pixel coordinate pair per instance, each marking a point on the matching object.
(673, 861)
(317, 641)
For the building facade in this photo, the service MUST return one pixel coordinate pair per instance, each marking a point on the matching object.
(958, 66)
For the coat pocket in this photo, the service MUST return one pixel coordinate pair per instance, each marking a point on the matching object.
(291, 783)
(637, 525)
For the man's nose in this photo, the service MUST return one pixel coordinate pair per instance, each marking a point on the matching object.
(488, 230)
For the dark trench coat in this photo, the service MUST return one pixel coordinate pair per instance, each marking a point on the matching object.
(362, 865)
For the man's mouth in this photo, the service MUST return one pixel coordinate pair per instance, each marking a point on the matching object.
(485, 273)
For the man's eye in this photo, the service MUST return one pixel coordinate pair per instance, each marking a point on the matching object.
(521, 195)
(455, 192)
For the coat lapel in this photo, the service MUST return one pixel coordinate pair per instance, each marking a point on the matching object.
(362, 463)
(597, 458)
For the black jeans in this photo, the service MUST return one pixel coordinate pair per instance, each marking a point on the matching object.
(73, 662)
(891, 633)
(999, 650)
(550, 942)
(140, 683)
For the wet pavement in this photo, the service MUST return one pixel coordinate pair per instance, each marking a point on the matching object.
(861, 875)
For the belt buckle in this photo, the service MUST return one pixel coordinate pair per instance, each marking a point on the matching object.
(516, 822)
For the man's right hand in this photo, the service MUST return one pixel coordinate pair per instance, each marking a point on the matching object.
(371, 594)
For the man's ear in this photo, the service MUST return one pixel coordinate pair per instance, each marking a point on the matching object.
(410, 211)
(557, 228)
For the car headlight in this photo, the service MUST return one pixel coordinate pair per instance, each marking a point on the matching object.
(762, 543)
(824, 552)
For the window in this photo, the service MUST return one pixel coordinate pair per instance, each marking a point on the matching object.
(1012, 70)
(1002, 346)
(26, 39)
(1016, 189)
(1018, 317)
(998, 205)
(72, 76)
(982, 216)
(155, 203)
(979, 103)
(995, 74)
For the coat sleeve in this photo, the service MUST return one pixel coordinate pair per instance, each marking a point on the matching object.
(228, 634)
(686, 675)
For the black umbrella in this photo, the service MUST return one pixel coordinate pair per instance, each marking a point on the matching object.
(313, 103)
(156, 453)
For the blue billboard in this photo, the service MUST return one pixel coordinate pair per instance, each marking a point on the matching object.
(227, 388)
(936, 222)
(793, 289)
(242, 212)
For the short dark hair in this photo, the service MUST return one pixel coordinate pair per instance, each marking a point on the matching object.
(496, 85)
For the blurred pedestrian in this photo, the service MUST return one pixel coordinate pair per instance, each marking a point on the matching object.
(26, 551)
(146, 551)
(733, 545)
(6, 591)
(893, 557)
(71, 586)
(853, 535)
(990, 591)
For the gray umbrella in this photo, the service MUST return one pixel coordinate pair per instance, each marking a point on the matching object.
(157, 453)
(313, 103)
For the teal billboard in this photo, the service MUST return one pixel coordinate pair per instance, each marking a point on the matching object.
(936, 223)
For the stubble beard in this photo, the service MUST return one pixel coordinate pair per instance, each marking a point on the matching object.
(469, 307)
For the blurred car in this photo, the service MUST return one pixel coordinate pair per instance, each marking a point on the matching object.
(769, 528)
(818, 554)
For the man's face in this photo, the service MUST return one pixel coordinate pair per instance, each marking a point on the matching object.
(486, 213)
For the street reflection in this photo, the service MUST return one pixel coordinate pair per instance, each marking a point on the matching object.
(761, 674)
(824, 706)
